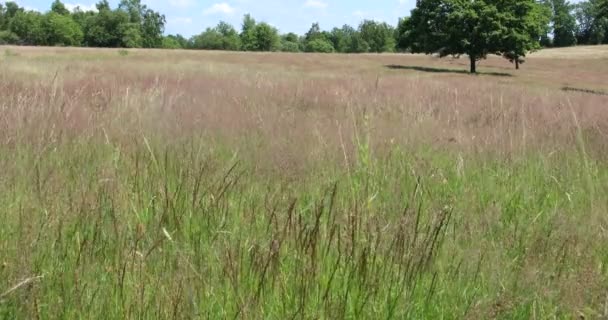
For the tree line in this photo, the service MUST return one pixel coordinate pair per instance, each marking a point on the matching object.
(448, 27)
(131, 25)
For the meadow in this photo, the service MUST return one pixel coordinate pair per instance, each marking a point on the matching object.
(159, 184)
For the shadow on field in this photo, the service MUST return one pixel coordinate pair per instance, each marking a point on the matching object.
(442, 70)
(584, 90)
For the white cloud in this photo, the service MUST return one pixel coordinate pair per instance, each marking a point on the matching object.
(181, 3)
(359, 13)
(179, 20)
(407, 3)
(317, 4)
(83, 7)
(222, 8)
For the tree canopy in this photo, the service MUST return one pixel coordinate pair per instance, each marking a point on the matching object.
(564, 24)
(132, 24)
(476, 28)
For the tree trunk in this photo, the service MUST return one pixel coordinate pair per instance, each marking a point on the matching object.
(473, 66)
(516, 63)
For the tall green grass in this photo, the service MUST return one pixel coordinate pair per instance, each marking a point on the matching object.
(188, 230)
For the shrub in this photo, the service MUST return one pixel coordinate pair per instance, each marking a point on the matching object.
(288, 46)
(7, 37)
(319, 45)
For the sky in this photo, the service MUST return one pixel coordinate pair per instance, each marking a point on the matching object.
(190, 17)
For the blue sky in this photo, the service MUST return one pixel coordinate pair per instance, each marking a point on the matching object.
(189, 17)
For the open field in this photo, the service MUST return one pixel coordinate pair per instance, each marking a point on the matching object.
(181, 184)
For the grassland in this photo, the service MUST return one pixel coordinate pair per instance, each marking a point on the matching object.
(175, 184)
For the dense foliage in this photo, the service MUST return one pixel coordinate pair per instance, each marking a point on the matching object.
(130, 25)
(446, 27)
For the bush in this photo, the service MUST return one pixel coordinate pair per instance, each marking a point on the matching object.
(171, 43)
(288, 46)
(62, 30)
(7, 37)
(319, 45)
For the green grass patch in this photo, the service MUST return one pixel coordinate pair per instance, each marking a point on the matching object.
(155, 231)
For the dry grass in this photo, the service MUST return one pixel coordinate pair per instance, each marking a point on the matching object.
(579, 52)
(178, 184)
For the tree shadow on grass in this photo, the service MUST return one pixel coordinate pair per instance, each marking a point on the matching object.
(584, 90)
(442, 70)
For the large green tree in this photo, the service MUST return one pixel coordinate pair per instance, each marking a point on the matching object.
(221, 37)
(27, 25)
(266, 37)
(247, 35)
(3, 18)
(11, 9)
(602, 8)
(525, 21)
(61, 30)
(258, 36)
(7, 12)
(378, 35)
(290, 42)
(150, 22)
(129, 35)
(402, 34)
(564, 24)
(107, 28)
(152, 28)
(456, 27)
(59, 8)
(592, 25)
(348, 40)
(315, 40)
(477, 28)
